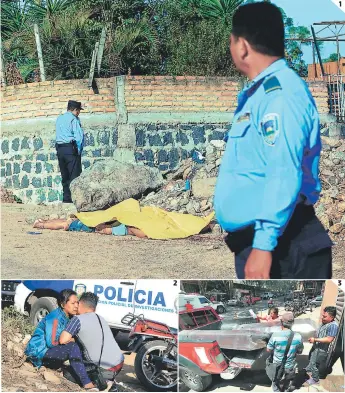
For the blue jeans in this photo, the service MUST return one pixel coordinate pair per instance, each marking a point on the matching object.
(317, 359)
(55, 356)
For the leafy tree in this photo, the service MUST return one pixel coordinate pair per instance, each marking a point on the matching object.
(332, 57)
(293, 49)
(16, 28)
(14, 17)
(219, 10)
(192, 42)
(176, 37)
(203, 284)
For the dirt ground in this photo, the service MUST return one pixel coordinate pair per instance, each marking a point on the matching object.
(20, 376)
(60, 254)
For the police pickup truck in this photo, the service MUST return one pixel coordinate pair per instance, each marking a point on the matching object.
(155, 299)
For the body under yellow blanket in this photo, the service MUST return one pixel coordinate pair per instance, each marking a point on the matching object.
(155, 222)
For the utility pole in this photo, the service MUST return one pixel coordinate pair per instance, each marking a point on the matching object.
(2, 66)
(39, 52)
(338, 53)
(101, 49)
(317, 51)
(93, 64)
(314, 62)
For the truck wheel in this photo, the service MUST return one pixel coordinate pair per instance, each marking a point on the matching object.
(220, 310)
(41, 308)
(144, 367)
(194, 381)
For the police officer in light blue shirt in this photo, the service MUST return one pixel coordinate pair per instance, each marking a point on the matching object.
(268, 179)
(69, 146)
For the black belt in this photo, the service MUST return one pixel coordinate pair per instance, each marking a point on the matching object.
(64, 144)
(239, 240)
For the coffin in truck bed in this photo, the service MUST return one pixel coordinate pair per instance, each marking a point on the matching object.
(248, 337)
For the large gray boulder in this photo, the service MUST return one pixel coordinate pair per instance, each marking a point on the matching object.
(109, 182)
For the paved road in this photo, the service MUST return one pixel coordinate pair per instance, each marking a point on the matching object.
(259, 308)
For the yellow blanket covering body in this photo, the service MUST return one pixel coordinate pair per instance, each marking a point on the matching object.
(155, 222)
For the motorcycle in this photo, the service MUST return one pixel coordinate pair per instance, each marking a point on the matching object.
(155, 345)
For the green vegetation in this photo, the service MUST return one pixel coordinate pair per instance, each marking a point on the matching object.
(143, 37)
(15, 322)
(332, 57)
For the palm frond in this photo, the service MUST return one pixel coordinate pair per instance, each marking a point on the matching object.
(50, 8)
(132, 34)
(218, 9)
(15, 17)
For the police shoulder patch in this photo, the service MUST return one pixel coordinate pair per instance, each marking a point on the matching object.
(272, 84)
(270, 128)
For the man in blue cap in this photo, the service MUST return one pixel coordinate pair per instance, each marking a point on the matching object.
(268, 180)
(69, 146)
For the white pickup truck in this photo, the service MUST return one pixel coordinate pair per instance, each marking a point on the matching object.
(199, 301)
(155, 299)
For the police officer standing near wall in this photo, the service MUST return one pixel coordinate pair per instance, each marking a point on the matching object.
(69, 146)
(268, 179)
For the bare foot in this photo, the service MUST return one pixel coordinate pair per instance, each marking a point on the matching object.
(91, 386)
(39, 224)
(68, 223)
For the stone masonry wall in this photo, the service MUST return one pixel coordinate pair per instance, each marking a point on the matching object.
(29, 165)
(165, 146)
(169, 118)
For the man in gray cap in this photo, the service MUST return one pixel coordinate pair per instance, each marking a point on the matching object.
(69, 146)
(284, 345)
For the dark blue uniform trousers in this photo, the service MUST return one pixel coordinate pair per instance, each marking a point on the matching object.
(70, 167)
(303, 251)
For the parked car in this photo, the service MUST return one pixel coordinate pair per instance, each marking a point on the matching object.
(252, 300)
(8, 291)
(317, 301)
(199, 301)
(267, 295)
(235, 303)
